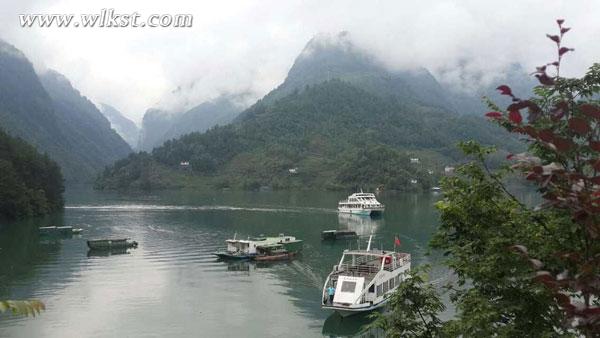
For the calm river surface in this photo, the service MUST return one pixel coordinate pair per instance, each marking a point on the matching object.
(171, 285)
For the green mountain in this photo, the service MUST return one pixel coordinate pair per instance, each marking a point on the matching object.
(335, 134)
(339, 120)
(126, 128)
(31, 184)
(159, 126)
(50, 114)
(335, 57)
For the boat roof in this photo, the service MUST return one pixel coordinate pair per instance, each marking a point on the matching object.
(270, 245)
(375, 253)
(263, 239)
(363, 194)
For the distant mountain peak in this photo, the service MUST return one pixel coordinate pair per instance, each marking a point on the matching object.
(58, 79)
(10, 50)
(322, 41)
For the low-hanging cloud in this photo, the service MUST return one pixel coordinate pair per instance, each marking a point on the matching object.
(248, 46)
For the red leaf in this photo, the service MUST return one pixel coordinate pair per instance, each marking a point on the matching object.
(536, 263)
(562, 144)
(538, 169)
(564, 30)
(545, 79)
(494, 115)
(518, 105)
(519, 248)
(595, 145)
(505, 90)
(563, 50)
(590, 110)
(560, 21)
(531, 176)
(546, 135)
(509, 156)
(554, 38)
(595, 179)
(579, 126)
(515, 116)
(530, 131)
(546, 278)
(563, 299)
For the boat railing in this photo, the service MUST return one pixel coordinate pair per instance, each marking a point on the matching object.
(400, 262)
(364, 269)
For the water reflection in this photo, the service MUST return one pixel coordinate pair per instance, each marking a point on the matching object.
(108, 253)
(353, 326)
(100, 294)
(362, 225)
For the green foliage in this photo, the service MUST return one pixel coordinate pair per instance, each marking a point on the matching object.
(523, 271)
(30, 184)
(480, 221)
(415, 307)
(22, 307)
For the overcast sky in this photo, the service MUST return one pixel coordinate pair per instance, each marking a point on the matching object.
(250, 45)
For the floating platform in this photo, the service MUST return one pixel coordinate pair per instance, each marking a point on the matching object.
(108, 244)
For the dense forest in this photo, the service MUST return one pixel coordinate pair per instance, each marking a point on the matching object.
(334, 134)
(31, 184)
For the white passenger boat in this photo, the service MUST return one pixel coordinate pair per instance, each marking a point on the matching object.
(361, 203)
(364, 279)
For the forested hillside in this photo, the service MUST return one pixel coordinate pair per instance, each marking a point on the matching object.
(55, 118)
(31, 184)
(336, 134)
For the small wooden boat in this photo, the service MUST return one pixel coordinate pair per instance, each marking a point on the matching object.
(62, 230)
(232, 255)
(282, 256)
(273, 252)
(333, 235)
(107, 244)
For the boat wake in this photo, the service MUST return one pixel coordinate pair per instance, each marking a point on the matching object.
(307, 272)
(154, 207)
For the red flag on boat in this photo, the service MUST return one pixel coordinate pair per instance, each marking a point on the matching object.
(396, 241)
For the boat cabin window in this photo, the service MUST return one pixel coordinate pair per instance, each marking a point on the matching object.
(348, 286)
(379, 290)
(385, 287)
(391, 281)
(372, 288)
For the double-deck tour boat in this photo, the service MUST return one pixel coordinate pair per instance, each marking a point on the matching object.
(249, 248)
(363, 280)
(361, 203)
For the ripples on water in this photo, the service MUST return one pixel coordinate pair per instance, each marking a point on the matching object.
(172, 285)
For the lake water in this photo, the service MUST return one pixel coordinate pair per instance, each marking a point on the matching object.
(171, 285)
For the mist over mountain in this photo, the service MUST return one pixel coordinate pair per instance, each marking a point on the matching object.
(340, 118)
(159, 125)
(465, 96)
(327, 57)
(126, 128)
(53, 116)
